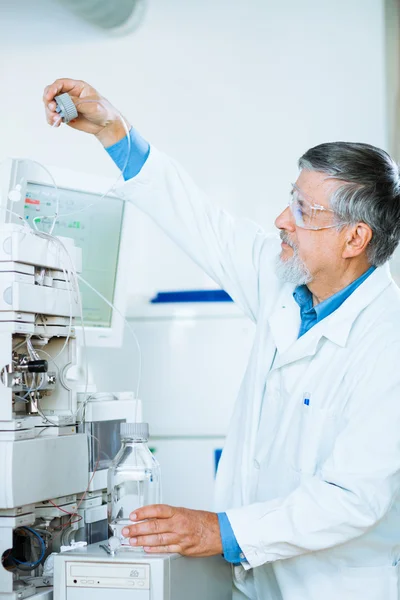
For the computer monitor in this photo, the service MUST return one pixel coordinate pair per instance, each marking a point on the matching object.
(97, 224)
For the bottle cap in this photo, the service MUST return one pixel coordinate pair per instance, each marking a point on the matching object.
(135, 430)
(66, 107)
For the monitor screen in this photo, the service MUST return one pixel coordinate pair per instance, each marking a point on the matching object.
(95, 224)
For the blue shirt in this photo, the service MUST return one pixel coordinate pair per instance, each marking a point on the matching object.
(310, 315)
(139, 151)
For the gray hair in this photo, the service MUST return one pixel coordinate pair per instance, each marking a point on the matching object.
(370, 192)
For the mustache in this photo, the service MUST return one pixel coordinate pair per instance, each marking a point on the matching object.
(286, 239)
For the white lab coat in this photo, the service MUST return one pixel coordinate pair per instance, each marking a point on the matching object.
(311, 491)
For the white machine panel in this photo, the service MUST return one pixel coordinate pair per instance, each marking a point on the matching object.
(110, 575)
(52, 466)
(112, 406)
(24, 297)
(24, 247)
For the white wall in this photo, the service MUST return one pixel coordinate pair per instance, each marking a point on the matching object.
(236, 90)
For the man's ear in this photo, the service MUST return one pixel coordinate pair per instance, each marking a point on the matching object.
(357, 240)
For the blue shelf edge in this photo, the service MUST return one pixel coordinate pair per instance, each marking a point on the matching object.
(191, 296)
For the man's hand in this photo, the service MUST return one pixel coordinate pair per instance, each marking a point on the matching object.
(97, 117)
(170, 529)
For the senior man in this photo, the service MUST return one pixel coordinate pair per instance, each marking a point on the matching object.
(308, 484)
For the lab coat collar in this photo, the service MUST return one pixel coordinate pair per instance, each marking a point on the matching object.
(338, 325)
(284, 321)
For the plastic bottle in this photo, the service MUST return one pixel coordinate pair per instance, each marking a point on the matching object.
(133, 478)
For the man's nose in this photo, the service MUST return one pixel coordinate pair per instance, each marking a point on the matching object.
(285, 220)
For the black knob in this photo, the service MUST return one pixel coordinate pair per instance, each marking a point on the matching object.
(37, 366)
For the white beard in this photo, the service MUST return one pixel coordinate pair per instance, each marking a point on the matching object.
(292, 270)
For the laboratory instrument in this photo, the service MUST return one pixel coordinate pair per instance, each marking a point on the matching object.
(58, 433)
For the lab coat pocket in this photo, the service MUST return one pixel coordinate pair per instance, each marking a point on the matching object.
(370, 583)
(313, 434)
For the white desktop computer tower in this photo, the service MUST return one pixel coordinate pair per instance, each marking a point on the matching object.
(92, 574)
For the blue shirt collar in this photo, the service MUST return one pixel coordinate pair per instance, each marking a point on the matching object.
(314, 314)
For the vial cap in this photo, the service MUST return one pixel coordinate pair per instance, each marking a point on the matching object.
(66, 107)
(135, 430)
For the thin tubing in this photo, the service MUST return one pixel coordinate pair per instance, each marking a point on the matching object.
(128, 138)
(126, 323)
(43, 550)
(35, 162)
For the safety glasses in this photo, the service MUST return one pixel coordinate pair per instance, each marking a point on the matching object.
(309, 215)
